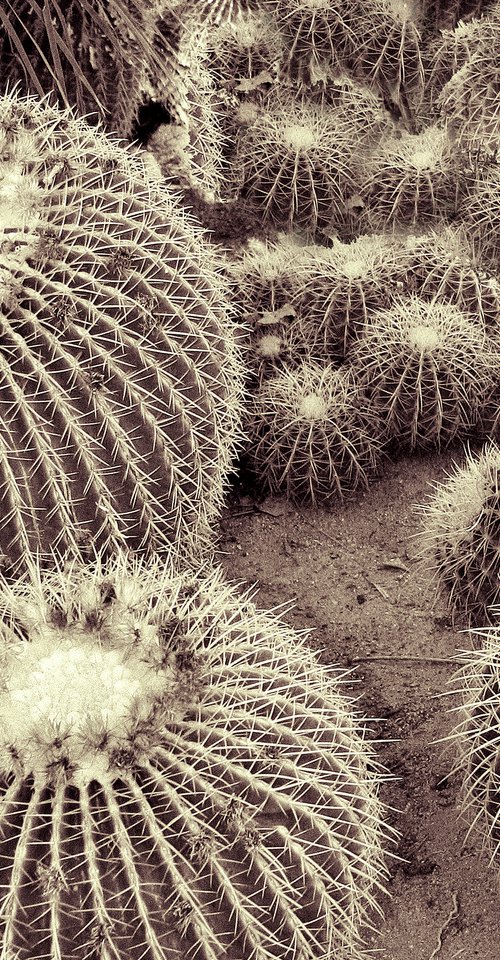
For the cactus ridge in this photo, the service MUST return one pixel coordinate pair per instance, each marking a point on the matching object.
(119, 362)
(460, 538)
(187, 781)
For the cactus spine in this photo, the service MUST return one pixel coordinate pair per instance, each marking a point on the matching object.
(119, 372)
(180, 776)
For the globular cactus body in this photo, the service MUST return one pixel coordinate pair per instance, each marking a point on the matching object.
(312, 436)
(460, 538)
(179, 776)
(426, 368)
(297, 163)
(118, 366)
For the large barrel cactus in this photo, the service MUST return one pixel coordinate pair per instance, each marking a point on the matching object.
(119, 376)
(180, 777)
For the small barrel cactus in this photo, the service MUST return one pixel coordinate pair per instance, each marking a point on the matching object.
(312, 436)
(477, 735)
(317, 33)
(180, 776)
(297, 163)
(120, 377)
(411, 178)
(387, 52)
(426, 368)
(460, 536)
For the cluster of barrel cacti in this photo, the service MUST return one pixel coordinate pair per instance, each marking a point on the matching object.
(180, 777)
(358, 153)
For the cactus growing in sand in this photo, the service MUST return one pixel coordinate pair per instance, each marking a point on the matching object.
(120, 380)
(312, 436)
(460, 538)
(180, 776)
(426, 368)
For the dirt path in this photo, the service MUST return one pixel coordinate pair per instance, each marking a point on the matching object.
(353, 576)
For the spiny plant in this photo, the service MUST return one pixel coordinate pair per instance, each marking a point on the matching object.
(470, 101)
(263, 277)
(245, 53)
(119, 371)
(477, 735)
(100, 57)
(441, 264)
(191, 150)
(450, 50)
(411, 178)
(337, 289)
(312, 437)
(460, 535)
(480, 212)
(180, 776)
(388, 51)
(426, 368)
(317, 33)
(298, 164)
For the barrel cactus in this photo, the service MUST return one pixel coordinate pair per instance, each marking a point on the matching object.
(426, 368)
(460, 536)
(180, 776)
(411, 178)
(120, 377)
(480, 213)
(297, 163)
(313, 437)
(477, 735)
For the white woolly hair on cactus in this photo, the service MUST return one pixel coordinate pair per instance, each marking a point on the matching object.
(476, 735)
(180, 776)
(298, 164)
(317, 33)
(441, 264)
(459, 536)
(121, 382)
(312, 436)
(480, 213)
(427, 369)
(410, 179)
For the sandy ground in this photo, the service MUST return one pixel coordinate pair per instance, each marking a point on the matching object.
(352, 574)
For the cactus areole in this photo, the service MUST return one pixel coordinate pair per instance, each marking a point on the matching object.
(118, 375)
(179, 776)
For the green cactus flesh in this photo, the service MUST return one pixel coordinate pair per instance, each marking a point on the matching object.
(118, 366)
(180, 777)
